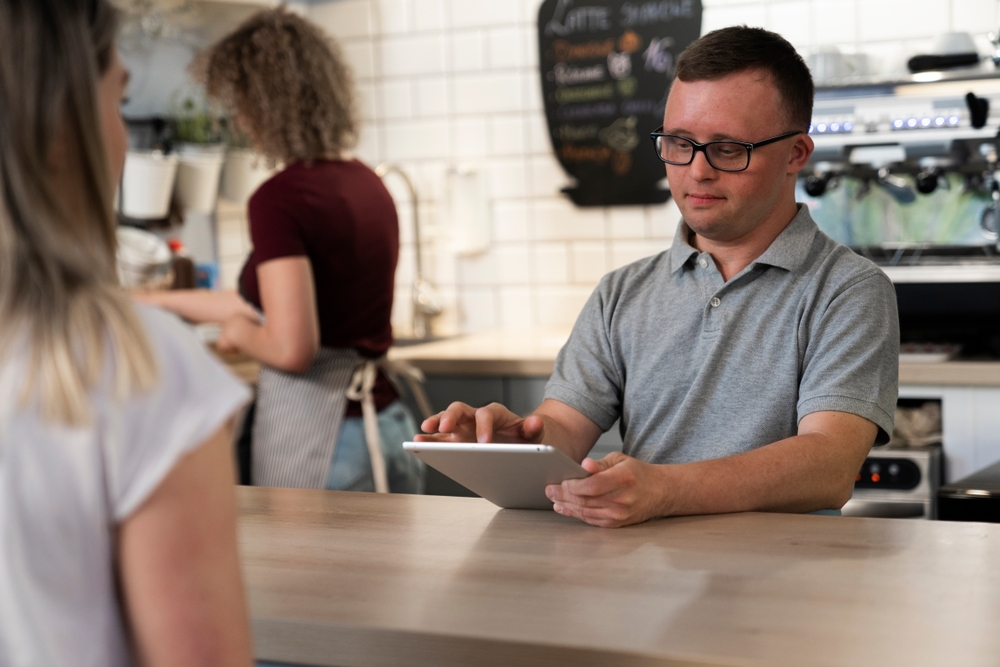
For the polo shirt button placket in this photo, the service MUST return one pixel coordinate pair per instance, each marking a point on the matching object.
(703, 263)
(715, 302)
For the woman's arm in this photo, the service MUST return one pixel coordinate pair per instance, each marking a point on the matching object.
(180, 572)
(198, 305)
(289, 338)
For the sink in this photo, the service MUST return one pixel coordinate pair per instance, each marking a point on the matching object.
(408, 342)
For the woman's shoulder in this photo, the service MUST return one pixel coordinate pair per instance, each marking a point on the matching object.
(193, 395)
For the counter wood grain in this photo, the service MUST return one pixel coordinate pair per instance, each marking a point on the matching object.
(362, 579)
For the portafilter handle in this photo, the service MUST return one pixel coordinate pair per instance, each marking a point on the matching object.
(816, 184)
(896, 186)
(927, 181)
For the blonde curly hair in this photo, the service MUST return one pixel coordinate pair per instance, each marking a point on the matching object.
(287, 85)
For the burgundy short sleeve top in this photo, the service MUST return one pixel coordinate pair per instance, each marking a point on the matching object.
(339, 215)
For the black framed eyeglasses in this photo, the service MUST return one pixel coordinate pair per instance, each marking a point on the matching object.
(721, 155)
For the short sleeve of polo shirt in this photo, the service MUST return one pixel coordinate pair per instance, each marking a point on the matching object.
(272, 212)
(851, 360)
(586, 375)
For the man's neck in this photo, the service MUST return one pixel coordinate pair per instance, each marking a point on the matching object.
(734, 255)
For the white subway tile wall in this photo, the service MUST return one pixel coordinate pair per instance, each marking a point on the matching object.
(448, 83)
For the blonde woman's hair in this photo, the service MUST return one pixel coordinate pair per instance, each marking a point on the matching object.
(287, 84)
(58, 282)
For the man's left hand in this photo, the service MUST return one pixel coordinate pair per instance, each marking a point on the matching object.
(620, 491)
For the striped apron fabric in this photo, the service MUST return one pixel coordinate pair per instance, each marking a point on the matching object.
(298, 420)
(299, 416)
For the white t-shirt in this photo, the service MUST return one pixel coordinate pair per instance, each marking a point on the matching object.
(64, 490)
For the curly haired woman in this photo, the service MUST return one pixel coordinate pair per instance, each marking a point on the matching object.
(316, 293)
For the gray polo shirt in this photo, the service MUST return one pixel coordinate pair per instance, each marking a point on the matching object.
(698, 368)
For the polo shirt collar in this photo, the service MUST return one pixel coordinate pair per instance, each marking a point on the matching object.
(788, 251)
(681, 251)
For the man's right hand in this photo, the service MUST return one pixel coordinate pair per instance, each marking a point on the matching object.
(492, 423)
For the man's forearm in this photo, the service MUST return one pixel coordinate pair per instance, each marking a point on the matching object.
(567, 429)
(803, 473)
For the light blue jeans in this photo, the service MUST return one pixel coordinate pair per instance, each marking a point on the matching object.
(351, 469)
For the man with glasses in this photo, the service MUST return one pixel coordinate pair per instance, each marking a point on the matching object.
(753, 364)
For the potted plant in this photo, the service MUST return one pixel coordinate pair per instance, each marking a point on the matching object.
(200, 153)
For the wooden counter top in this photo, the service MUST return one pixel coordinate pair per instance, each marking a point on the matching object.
(529, 353)
(349, 579)
(533, 354)
(244, 367)
(951, 373)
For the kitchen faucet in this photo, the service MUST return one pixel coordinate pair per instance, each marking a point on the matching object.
(425, 302)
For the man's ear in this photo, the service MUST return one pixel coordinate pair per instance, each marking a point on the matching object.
(802, 148)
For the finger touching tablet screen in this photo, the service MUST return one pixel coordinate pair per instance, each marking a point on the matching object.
(511, 476)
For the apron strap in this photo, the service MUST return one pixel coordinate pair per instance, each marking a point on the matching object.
(360, 390)
(414, 377)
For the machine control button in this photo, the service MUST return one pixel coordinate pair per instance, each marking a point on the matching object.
(901, 474)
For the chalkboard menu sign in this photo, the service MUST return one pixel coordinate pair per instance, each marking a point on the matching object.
(606, 66)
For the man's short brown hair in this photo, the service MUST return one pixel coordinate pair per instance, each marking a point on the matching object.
(738, 49)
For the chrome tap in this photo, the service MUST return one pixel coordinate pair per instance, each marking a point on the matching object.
(425, 301)
(995, 41)
(989, 224)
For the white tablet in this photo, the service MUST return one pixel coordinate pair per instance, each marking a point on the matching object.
(511, 476)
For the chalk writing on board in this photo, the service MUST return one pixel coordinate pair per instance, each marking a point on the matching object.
(606, 66)
(663, 11)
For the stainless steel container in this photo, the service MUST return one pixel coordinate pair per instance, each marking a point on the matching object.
(897, 483)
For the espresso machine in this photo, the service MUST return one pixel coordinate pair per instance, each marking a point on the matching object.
(906, 173)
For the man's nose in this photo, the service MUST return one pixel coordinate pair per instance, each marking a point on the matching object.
(701, 170)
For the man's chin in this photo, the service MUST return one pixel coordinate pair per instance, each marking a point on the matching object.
(702, 222)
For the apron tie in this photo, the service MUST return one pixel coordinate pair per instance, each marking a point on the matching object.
(395, 369)
(360, 390)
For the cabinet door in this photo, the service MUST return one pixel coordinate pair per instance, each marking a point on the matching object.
(442, 391)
